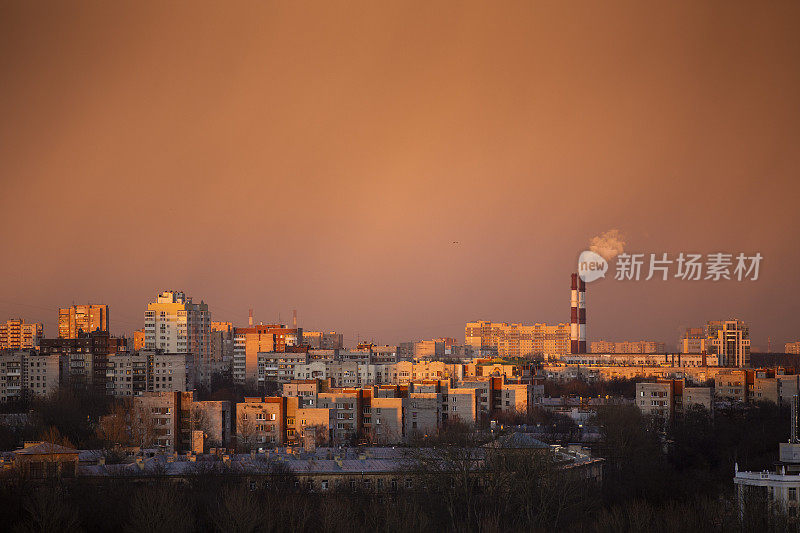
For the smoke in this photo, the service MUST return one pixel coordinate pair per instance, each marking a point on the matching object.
(608, 244)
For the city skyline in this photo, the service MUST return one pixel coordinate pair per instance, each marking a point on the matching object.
(393, 172)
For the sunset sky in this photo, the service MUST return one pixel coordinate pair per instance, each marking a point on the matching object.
(323, 156)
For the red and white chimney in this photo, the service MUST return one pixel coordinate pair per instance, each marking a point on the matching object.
(577, 321)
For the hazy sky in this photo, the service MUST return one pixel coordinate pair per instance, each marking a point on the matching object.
(323, 156)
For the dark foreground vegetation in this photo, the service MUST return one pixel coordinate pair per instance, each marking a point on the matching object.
(657, 477)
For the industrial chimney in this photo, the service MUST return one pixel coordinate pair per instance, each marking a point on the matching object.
(577, 322)
(250, 320)
(294, 319)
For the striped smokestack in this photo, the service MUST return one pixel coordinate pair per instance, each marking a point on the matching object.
(573, 317)
(581, 316)
(577, 316)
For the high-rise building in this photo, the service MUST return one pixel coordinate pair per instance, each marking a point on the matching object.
(248, 342)
(83, 359)
(730, 341)
(15, 334)
(519, 340)
(82, 318)
(174, 324)
(792, 348)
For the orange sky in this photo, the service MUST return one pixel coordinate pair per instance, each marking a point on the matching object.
(323, 156)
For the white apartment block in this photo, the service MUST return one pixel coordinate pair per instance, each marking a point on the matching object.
(173, 324)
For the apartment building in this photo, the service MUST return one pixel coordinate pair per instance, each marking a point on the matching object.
(319, 340)
(174, 324)
(221, 337)
(667, 397)
(16, 334)
(133, 373)
(306, 390)
(519, 340)
(169, 420)
(249, 342)
(27, 373)
(84, 359)
(82, 319)
(792, 348)
(628, 347)
(280, 366)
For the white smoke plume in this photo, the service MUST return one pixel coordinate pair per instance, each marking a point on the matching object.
(608, 244)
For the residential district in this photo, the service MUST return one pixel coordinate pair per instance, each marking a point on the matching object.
(187, 394)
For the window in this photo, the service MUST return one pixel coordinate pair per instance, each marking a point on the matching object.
(792, 494)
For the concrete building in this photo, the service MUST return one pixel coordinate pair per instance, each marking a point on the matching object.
(519, 340)
(792, 348)
(138, 339)
(26, 374)
(134, 373)
(82, 319)
(84, 359)
(280, 366)
(16, 334)
(628, 347)
(669, 397)
(730, 341)
(174, 324)
(248, 342)
(320, 340)
(694, 340)
(167, 420)
(221, 335)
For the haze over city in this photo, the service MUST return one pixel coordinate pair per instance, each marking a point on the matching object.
(394, 171)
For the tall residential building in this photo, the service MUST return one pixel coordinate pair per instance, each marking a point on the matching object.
(84, 359)
(221, 341)
(248, 342)
(174, 324)
(519, 340)
(15, 334)
(82, 318)
(730, 341)
(628, 347)
(792, 348)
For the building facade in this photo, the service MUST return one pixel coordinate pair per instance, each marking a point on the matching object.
(16, 334)
(174, 324)
(519, 340)
(82, 319)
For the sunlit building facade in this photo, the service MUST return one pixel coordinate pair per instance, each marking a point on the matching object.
(519, 340)
(81, 318)
(16, 334)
